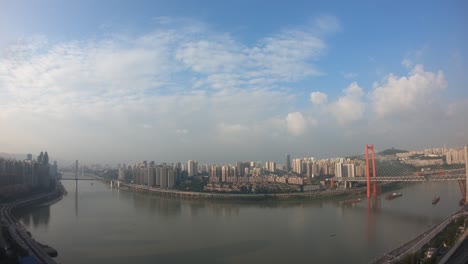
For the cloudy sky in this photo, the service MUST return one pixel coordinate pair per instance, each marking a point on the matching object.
(221, 81)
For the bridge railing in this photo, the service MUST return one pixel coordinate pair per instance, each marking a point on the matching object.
(412, 178)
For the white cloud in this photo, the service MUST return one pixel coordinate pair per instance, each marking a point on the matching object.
(328, 23)
(296, 123)
(407, 63)
(185, 83)
(167, 81)
(407, 95)
(350, 75)
(349, 107)
(318, 98)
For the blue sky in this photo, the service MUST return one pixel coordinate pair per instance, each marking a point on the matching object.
(165, 79)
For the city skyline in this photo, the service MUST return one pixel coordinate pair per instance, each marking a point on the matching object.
(171, 81)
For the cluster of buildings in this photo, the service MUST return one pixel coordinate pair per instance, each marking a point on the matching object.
(28, 172)
(297, 171)
(339, 167)
(152, 175)
(452, 156)
(455, 156)
(423, 162)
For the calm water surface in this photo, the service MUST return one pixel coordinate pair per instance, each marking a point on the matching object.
(98, 224)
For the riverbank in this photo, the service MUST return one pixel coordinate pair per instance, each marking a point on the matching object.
(18, 242)
(438, 237)
(314, 195)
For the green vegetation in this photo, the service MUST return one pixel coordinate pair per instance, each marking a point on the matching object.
(441, 243)
(191, 185)
(392, 151)
(273, 188)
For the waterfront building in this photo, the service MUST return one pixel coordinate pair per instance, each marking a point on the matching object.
(27, 172)
(192, 168)
(338, 169)
(121, 174)
(270, 166)
(224, 173)
(455, 156)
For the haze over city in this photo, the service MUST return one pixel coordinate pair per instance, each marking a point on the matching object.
(179, 80)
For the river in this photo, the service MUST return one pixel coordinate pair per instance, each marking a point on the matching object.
(98, 224)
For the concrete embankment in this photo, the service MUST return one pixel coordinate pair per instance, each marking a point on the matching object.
(17, 236)
(413, 246)
(225, 196)
(231, 196)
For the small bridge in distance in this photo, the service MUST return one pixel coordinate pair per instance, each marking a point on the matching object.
(76, 176)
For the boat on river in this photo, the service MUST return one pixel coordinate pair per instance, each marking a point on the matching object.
(436, 200)
(392, 196)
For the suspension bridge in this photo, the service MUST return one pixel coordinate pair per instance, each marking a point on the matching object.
(392, 173)
(76, 178)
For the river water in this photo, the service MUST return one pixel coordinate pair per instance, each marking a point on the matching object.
(98, 224)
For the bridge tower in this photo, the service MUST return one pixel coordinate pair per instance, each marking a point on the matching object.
(466, 173)
(76, 171)
(371, 148)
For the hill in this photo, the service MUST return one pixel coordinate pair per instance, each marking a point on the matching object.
(392, 151)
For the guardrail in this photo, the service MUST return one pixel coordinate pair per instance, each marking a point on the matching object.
(412, 178)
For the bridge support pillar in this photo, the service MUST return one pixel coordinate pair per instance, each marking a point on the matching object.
(371, 148)
(466, 172)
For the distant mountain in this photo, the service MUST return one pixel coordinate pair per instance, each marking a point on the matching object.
(392, 151)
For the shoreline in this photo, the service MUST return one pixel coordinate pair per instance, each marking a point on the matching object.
(20, 240)
(314, 195)
(294, 196)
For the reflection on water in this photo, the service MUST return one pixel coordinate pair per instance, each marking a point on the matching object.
(76, 198)
(38, 217)
(97, 224)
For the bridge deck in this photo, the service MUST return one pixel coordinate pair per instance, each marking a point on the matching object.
(412, 178)
(79, 179)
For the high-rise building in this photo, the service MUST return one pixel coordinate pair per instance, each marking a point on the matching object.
(45, 161)
(121, 174)
(455, 156)
(288, 163)
(224, 173)
(298, 166)
(344, 170)
(240, 168)
(338, 169)
(270, 166)
(192, 168)
(349, 168)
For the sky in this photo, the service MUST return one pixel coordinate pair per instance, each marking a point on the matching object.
(223, 81)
